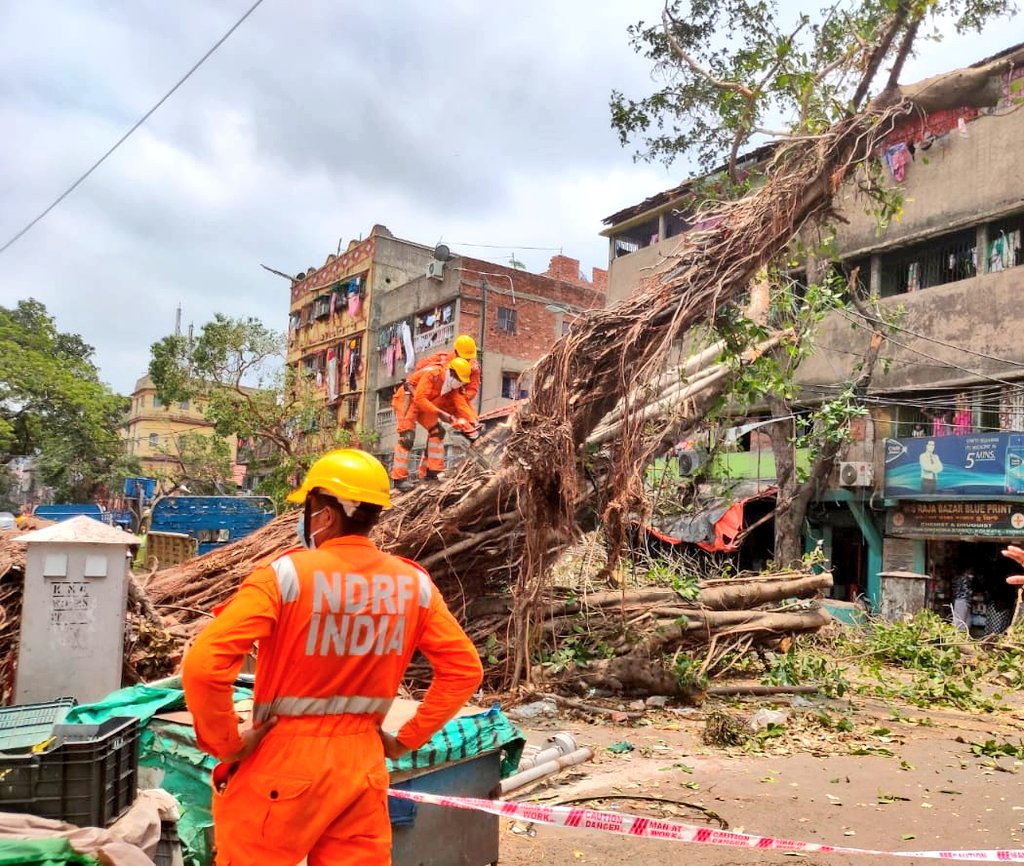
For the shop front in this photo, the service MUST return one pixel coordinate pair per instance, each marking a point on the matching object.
(954, 503)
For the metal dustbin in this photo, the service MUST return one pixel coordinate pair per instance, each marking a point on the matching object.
(424, 835)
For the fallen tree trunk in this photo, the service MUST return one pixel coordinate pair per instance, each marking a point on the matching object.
(509, 522)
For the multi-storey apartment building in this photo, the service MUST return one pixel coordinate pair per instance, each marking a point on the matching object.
(153, 430)
(933, 484)
(329, 315)
(514, 316)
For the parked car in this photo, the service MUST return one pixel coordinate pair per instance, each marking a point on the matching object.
(7, 520)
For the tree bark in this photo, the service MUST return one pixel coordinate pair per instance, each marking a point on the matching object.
(979, 86)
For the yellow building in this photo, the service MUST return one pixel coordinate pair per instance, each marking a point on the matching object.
(153, 430)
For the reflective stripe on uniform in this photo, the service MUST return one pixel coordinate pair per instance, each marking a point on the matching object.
(435, 455)
(400, 464)
(287, 579)
(337, 705)
(425, 589)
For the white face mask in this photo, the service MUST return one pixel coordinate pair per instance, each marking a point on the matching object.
(300, 530)
(450, 384)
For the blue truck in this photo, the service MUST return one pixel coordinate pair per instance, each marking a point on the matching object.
(69, 510)
(212, 520)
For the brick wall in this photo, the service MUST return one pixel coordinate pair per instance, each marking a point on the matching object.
(567, 270)
(526, 296)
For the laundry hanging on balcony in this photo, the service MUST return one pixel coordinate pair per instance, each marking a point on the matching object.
(332, 375)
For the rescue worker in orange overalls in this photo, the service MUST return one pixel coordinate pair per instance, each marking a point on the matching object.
(464, 347)
(337, 625)
(436, 397)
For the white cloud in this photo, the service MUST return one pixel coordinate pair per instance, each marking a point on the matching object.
(477, 123)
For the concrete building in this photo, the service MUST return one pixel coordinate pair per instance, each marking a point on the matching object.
(329, 317)
(349, 320)
(514, 316)
(153, 430)
(952, 269)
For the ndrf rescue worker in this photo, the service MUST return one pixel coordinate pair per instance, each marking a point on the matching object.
(437, 396)
(464, 347)
(336, 626)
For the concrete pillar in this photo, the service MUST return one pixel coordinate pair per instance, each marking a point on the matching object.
(662, 226)
(981, 249)
(73, 612)
(875, 284)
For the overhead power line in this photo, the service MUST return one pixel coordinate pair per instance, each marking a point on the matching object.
(128, 134)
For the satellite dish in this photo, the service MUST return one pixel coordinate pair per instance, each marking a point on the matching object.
(442, 253)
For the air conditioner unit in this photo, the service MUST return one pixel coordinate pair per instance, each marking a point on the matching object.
(690, 460)
(858, 473)
(435, 270)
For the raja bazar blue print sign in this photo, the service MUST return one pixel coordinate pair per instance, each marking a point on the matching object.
(989, 464)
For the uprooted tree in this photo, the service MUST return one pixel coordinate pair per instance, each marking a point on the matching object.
(811, 72)
(577, 450)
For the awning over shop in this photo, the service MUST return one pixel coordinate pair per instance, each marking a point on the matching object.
(715, 526)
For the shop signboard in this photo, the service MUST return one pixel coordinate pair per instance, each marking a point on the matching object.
(952, 467)
(963, 518)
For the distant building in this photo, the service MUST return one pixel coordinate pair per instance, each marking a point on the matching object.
(329, 316)
(357, 324)
(153, 430)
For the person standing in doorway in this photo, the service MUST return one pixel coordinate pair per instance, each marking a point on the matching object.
(963, 592)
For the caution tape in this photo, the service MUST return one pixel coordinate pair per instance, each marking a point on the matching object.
(642, 827)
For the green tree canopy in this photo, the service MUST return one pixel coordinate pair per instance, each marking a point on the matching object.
(53, 406)
(235, 368)
(729, 71)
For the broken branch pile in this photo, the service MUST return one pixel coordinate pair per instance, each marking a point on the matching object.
(628, 642)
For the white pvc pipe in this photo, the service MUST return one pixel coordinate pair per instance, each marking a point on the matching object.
(548, 768)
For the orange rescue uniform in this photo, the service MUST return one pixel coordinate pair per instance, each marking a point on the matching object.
(444, 358)
(423, 406)
(336, 627)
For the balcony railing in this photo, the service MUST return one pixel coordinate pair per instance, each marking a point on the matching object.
(432, 339)
(385, 418)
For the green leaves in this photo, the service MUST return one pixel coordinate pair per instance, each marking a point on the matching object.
(53, 406)
(724, 71)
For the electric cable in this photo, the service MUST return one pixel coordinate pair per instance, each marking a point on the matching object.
(856, 321)
(126, 136)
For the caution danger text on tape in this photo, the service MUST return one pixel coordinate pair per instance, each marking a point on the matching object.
(676, 831)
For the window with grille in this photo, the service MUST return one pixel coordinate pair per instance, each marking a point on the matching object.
(945, 259)
(507, 320)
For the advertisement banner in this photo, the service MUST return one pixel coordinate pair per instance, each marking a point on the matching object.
(964, 518)
(951, 467)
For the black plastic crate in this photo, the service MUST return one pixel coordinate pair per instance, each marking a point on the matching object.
(89, 778)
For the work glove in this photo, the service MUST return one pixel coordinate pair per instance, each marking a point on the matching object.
(444, 416)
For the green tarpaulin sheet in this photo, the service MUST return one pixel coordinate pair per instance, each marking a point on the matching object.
(184, 770)
(42, 852)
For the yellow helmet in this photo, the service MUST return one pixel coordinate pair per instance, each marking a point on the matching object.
(463, 369)
(347, 473)
(465, 347)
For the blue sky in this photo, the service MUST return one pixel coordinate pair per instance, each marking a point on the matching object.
(315, 120)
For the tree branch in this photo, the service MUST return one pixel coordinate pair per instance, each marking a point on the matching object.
(878, 54)
(696, 68)
(906, 45)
